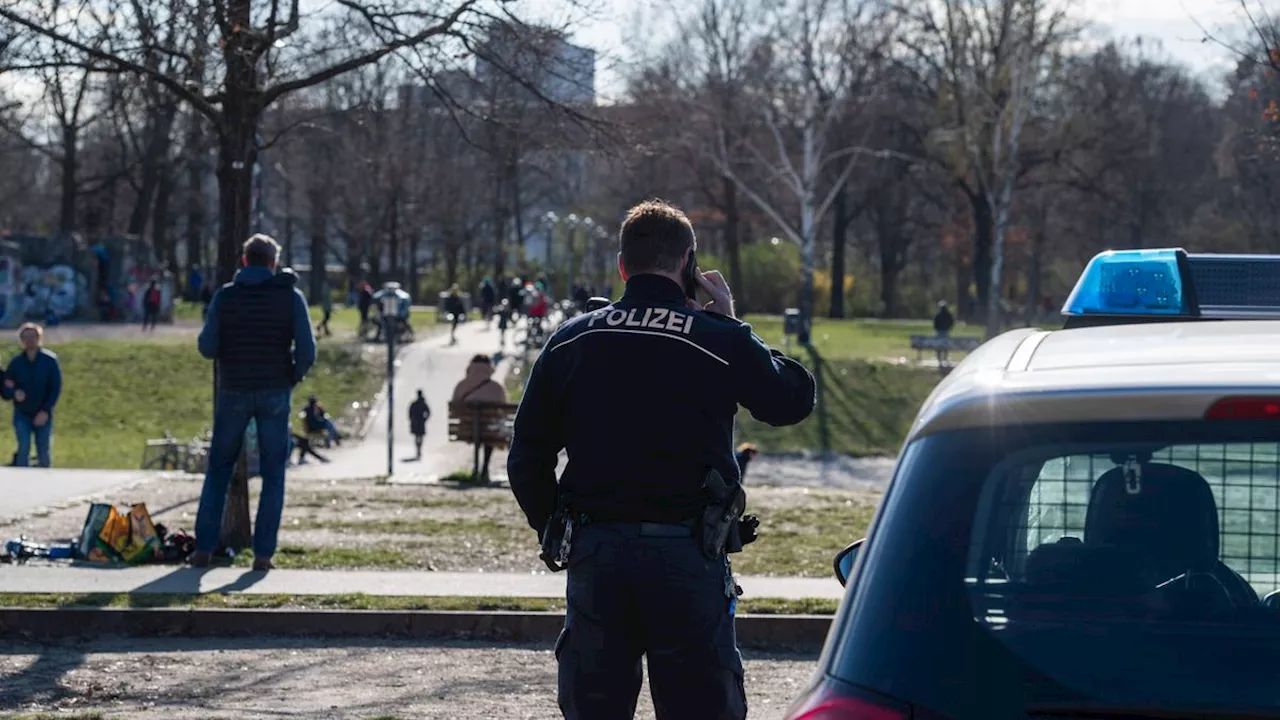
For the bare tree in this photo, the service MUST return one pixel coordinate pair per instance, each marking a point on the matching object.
(68, 77)
(824, 62)
(984, 65)
(267, 51)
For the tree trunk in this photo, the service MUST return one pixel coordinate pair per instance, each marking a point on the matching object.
(70, 167)
(412, 279)
(236, 155)
(451, 249)
(153, 172)
(196, 169)
(733, 244)
(807, 231)
(839, 232)
(161, 238)
(317, 226)
(982, 237)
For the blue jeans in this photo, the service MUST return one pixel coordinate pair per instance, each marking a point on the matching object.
(24, 427)
(231, 416)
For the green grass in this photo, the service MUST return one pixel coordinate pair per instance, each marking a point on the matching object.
(852, 339)
(794, 539)
(803, 540)
(865, 408)
(357, 601)
(116, 395)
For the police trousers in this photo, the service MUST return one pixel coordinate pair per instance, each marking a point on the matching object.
(635, 590)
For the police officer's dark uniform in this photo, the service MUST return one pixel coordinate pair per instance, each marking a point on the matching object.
(637, 580)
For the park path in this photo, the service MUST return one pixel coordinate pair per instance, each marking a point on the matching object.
(86, 578)
(434, 366)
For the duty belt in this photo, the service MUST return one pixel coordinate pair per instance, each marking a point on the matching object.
(646, 529)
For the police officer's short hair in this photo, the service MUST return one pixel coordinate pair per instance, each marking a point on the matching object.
(261, 250)
(654, 236)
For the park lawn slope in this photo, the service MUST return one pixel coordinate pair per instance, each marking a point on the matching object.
(117, 394)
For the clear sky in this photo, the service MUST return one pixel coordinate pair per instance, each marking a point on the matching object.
(611, 25)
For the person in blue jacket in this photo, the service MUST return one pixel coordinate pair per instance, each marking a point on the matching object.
(33, 381)
(259, 332)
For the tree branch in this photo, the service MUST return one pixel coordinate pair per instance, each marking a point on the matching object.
(196, 101)
(444, 27)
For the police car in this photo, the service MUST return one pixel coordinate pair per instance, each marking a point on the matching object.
(1083, 523)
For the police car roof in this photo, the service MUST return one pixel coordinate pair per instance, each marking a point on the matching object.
(1160, 371)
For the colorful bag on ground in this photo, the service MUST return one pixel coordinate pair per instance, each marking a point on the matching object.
(110, 536)
(143, 544)
(93, 543)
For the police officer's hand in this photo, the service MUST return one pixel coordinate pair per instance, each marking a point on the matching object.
(747, 526)
(713, 284)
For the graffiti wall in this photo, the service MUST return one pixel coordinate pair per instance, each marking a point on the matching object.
(54, 293)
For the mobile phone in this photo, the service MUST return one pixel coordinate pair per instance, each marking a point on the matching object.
(690, 276)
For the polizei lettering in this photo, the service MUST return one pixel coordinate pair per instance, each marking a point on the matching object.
(650, 318)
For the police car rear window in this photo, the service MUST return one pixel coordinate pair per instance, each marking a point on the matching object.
(1136, 573)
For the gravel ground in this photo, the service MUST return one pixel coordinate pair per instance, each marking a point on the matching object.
(189, 679)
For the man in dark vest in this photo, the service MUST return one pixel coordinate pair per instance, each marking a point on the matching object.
(259, 332)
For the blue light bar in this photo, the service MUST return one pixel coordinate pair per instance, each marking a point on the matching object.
(1133, 283)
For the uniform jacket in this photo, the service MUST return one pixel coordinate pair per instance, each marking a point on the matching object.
(642, 394)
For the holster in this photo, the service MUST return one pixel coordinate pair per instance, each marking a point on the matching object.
(557, 538)
(718, 528)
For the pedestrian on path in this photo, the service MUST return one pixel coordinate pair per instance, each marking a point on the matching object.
(745, 454)
(419, 413)
(151, 306)
(326, 306)
(488, 296)
(259, 333)
(455, 311)
(33, 381)
(364, 301)
(642, 579)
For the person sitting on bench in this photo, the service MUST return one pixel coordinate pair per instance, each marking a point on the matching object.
(317, 420)
(479, 388)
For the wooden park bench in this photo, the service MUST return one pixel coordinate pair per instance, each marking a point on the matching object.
(481, 424)
(920, 343)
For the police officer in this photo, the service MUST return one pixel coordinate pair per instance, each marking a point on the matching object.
(675, 370)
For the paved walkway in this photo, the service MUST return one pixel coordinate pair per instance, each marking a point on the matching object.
(26, 491)
(176, 579)
(434, 366)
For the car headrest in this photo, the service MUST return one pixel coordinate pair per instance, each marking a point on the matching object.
(1169, 515)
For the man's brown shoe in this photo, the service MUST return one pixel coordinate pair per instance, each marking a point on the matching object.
(262, 565)
(200, 559)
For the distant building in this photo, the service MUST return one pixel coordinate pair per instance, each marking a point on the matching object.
(545, 62)
(456, 87)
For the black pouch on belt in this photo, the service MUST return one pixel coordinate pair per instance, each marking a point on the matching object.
(728, 502)
(556, 537)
